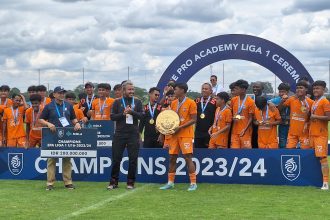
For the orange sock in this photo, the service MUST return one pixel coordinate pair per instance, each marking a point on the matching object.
(192, 177)
(325, 169)
(171, 177)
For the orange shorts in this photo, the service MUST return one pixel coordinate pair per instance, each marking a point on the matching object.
(238, 142)
(34, 142)
(16, 142)
(218, 142)
(268, 145)
(294, 139)
(320, 145)
(176, 144)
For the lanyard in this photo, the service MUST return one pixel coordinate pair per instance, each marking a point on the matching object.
(4, 103)
(44, 101)
(306, 103)
(89, 103)
(314, 106)
(180, 104)
(267, 114)
(34, 119)
(58, 111)
(102, 107)
(152, 112)
(240, 107)
(218, 115)
(124, 104)
(15, 114)
(202, 103)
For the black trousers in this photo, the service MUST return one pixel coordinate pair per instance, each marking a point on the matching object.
(151, 142)
(201, 142)
(120, 142)
(254, 136)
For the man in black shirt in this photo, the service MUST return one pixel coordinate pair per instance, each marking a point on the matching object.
(59, 113)
(126, 112)
(206, 107)
(148, 122)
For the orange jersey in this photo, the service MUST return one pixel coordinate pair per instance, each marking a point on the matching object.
(267, 134)
(32, 118)
(78, 112)
(14, 129)
(247, 109)
(298, 118)
(98, 105)
(221, 120)
(185, 112)
(45, 102)
(6, 104)
(319, 127)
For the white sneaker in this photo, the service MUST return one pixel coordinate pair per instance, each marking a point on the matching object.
(325, 186)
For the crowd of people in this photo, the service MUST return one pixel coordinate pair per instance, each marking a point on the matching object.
(215, 120)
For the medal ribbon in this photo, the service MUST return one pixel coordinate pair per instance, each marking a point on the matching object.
(180, 104)
(102, 107)
(34, 119)
(4, 103)
(218, 115)
(202, 103)
(240, 107)
(314, 106)
(89, 103)
(152, 111)
(267, 114)
(15, 114)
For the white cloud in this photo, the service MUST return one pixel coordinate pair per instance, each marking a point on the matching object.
(104, 37)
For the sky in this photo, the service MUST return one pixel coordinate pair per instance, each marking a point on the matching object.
(68, 42)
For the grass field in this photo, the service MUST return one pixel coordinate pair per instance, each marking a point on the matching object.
(30, 200)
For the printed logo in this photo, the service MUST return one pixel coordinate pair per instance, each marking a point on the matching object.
(290, 165)
(68, 133)
(15, 163)
(60, 133)
(186, 145)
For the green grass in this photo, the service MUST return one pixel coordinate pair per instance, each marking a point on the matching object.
(30, 200)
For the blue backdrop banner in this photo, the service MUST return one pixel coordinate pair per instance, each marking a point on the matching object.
(271, 167)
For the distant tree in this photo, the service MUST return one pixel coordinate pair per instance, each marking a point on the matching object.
(268, 88)
(193, 95)
(14, 91)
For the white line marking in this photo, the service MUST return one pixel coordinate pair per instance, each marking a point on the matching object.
(102, 203)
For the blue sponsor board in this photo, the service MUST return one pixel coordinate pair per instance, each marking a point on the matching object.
(105, 131)
(65, 142)
(269, 167)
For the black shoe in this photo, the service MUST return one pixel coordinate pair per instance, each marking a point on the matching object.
(70, 186)
(49, 187)
(112, 186)
(130, 186)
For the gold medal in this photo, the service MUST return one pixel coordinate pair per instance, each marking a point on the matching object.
(303, 109)
(151, 121)
(202, 116)
(238, 117)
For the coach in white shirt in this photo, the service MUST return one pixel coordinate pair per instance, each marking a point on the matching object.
(216, 88)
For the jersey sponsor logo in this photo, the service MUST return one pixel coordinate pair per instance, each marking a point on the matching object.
(15, 163)
(290, 166)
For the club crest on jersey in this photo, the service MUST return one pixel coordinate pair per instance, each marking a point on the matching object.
(290, 166)
(15, 163)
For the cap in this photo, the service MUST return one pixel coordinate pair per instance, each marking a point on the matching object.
(89, 84)
(59, 89)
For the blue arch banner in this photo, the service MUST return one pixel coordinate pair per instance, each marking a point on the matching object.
(235, 46)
